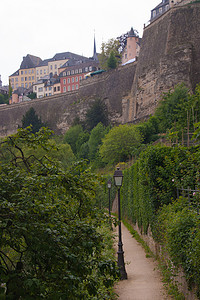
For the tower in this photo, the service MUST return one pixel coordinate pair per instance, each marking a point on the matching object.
(94, 52)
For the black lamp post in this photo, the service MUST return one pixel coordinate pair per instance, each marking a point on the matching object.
(109, 187)
(118, 178)
(109, 183)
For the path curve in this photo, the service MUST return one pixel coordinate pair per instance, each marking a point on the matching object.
(144, 279)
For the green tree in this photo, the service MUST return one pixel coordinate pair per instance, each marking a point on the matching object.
(32, 95)
(120, 143)
(95, 140)
(112, 61)
(10, 90)
(97, 113)
(4, 99)
(112, 45)
(173, 108)
(31, 118)
(72, 136)
(51, 245)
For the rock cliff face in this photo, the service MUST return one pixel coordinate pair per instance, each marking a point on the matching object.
(170, 54)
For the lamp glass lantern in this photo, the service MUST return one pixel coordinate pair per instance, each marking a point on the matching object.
(118, 177)
(109, 184)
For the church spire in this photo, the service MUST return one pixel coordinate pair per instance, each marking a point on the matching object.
(95, 52)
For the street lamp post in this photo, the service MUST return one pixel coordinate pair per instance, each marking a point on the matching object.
(109, 188)
(118, 178)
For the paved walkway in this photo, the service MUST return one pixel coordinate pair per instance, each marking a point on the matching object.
(144, 280)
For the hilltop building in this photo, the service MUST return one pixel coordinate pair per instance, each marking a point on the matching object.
(164, 6)
(3, 89)
(26, 75)
(75, 71)
(160, 9)
(132, 47)
(43, 75)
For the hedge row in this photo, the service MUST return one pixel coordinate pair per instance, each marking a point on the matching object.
(148, 198)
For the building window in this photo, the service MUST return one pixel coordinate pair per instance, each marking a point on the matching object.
(55, 66)
(76, 86)
(22, 72)
(22, 79)
(80, 78)
(68, 80)
(29, 78)
(25, 78)
(45, 71)
(154, 13)
(72, 87)
(58, 89)
(160, 10)
(26, 72)
(40, 89)
(86, 69)
(26, 84)
(64, 81)
(68, 88)
(22, 85)
(55, 89)
(40, 72)
(50, 88)
(72, 79)
(90, 68)
(76, 71)
(72, 72)
(64, 73)
(37, 72)
(64, 89)
(29, 71)
(80, 70)
(51, 67)
(68, 73)
(32, 77)
(16, 79)
(76, 79)
(16, 85)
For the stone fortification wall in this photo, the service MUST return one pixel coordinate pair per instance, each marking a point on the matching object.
(60, 111)
(169, 55)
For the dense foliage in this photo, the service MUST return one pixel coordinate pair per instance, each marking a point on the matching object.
(112, 46)
(31, 118)
(97, 113)
(150, 189)
(4, 99)
(120, 143)
(52, 245)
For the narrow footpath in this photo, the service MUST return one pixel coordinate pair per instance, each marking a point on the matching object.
(144, 280)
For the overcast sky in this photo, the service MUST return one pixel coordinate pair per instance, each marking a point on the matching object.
(46, 27)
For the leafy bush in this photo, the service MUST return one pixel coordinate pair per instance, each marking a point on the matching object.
(120, 143)
(51, 245)
(178, 230)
